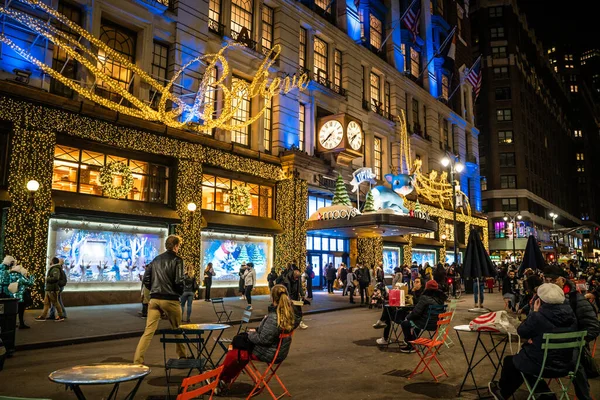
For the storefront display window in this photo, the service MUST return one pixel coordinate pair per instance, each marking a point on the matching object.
(421, 256)
(499, 230)
(450, 257)
(215, 195)
(227, 252)
(391, 260)
(78, 170)
(99, 254)
(326, 244)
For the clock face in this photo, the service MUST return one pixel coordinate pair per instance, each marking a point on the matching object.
(355, 135)
(331, 134)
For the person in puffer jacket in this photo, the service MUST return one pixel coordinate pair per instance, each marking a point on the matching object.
(282, 317)
(550, 314)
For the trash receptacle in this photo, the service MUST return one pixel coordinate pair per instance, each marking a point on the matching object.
(8, 323)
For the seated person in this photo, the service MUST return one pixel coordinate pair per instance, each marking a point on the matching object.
(281, 318)
(550, 314)
(431, 296)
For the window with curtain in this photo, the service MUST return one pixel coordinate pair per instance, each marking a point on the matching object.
(267, 27)
(268, 124)
(376, 31)
(241, 105)
(302, 48)
(123, 41)
(59, 57)
(320, 62)
(241, 17)
(301, 127)
(375, 92)
(160, 62)
(337, 73)
(415, 62)
(377, 157)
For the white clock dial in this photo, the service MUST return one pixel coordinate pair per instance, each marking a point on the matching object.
(331, 134)
(355, 135)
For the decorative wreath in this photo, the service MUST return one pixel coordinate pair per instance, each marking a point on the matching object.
(106, 180)
(239, 199)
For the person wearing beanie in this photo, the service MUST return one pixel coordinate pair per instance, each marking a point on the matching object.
(551, 313)
(432, 295)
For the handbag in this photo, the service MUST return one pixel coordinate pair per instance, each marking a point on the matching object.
(336, 284)
(355, 283)
(591, 367)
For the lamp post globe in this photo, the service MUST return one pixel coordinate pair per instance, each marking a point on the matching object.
(33, 185)
(459, 167)
(445, 161)
(191, 207)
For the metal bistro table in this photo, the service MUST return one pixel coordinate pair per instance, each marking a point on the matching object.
(101, 374)
(497, 340)
(395, 331)
(210, 328)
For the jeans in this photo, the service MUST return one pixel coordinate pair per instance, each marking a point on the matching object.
(511, 379)
(362, 287)
(511, 298)
(207, 285)
(350, 291)
(249, 294)
(478, 289)
(345, 287)
(62, 306)
(407, 331)
(309, 288)
(172, 309)
(187, 297)
(397, 315)
(329, 285)
(22, 313)
(51, 298)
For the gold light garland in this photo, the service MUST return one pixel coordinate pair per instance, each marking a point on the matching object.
(407, 251)
(107, 180)
(370, 250)
(290, 212)
(239, 199)
(442, 231)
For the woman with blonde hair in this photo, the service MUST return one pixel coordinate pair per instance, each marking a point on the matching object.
(261, 343)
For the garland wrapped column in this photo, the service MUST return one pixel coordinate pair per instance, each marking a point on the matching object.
(370, 251)
(189, 190)
(28, 217)
(407, 251)
(441, 232)
(290, 212)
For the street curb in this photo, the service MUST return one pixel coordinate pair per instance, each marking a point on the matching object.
(138, 333)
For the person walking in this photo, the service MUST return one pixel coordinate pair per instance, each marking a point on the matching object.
(379, 274)
(164, 277)
(330, 275)
(52, 289)
(364, 279)
(20, 282)
(61, 283)
(271, 278)
(209, 272)
(249, 282)
(351, 277)
(343, 277)
(478, 290)
(190, 286)
(241, 288)
(310, 275)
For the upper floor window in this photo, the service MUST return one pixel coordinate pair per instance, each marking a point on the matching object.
(241, 105)
(495, 11)
(241, 17)
(415, 62)
(337, 68)
(320, 62)
(504, 114)
(268, 124)
(499, 52)
(302, 48)
(503, 93)
(123, 41)
(216, 191)
(387, 99)
(316, 202)
(78, 170)
(497, 32)
(579, 156)
(210, 95)
(500, 72)
(510, 204)
(483, 183)
(267, 27)
(377, 157)
(445, 87)
(301, 127)
(376, 31)
(574, 89)
(60, 60)
(507, 159)
(214, 15)
(415, 110)
(505, 137)
(375, 92)
(577, 133)
(446, 134)
(440, 7)
(160, 62)
(508, 181)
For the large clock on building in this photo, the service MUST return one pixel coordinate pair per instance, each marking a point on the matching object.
(355, 135)
(331, 134)
(341, 135)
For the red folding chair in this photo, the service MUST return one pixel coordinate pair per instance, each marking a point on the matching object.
(261, 380)
(187, 394)
(427, 349)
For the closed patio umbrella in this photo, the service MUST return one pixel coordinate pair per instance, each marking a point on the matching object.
(477, 261)
(532, 258)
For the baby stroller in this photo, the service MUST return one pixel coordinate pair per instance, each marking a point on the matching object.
(379, 295)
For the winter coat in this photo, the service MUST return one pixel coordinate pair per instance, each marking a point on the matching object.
(584, 312)
(349, 280)
(18, 275)
(330, 273)
(364, 276)
(510, 285)
(272, 277)
(551, 318)
(440, 276)
(296, 289)
(266, 337)
(250, 277)
(164, 276)
(344, 274)
(52, 278)
(4, 281)
(189, 284)
(208, 275)
(419, 314)
(379, 276)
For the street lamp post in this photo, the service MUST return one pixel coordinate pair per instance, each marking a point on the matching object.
(455, 167)
(554, 215)
(513, 219)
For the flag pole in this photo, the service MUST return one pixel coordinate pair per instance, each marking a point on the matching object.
(397, 23)
(437, 53)
(462, 80)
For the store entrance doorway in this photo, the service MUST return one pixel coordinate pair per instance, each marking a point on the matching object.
(319, 262)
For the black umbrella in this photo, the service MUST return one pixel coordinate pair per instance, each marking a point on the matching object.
(477, 261)
(533, 257)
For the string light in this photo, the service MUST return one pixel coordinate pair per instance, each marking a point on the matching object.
(290, 212)
(370, 250)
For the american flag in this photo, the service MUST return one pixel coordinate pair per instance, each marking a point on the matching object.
(412, 19)
(474, 78)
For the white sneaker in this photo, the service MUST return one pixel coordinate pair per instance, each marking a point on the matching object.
(382, 342)
(249, 308)
(302, 325)
(242, 297)
(379, 324)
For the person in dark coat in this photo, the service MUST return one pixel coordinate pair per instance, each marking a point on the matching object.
(439, 275)
(432, 295)
(271, 278)
(550, 314)
(510, 291)
(209, 272)
(364, 280)
(241, 287)
(344, 279)
(330, 274)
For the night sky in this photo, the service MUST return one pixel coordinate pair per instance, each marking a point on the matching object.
(571, 22)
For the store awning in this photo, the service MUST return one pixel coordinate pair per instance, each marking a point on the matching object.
(244, 223)
(371, 225)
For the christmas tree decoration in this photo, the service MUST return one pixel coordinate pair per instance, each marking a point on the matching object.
(341, 198)
(257, 258)
(107, 179)
(243, 256)
(239, 200)
(369, 203)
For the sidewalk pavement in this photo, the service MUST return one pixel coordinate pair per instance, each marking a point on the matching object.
(108, 322)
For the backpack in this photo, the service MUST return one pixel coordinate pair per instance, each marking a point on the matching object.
(62, 281)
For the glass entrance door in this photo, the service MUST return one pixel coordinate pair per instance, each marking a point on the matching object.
(315, 262)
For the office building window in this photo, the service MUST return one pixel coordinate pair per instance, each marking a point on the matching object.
(241, 17)
(483, 184)
(507, 159)
(508, 181)
(580, 168)
(509, 204)
(320, 62)
(577, 133)
(241, 105)
(504, 114)
(579, 156)
(59, 56)
(210, 96)
(497, 33)
(301, 127)
(446, 135)
(377, 157)
(375, 92)
(387, 98)
(500, 72)
(505, 137)
(445, 86)
(415, 109)
(337, 68)
(122, 41)
(267, 27)
(503, 93)
(376, 31)
(574, 89)
(214, 14)
(268, 124)
(415, 62)
(581, 179)
(160, 62)
(485, 208)
(495, 12)
(499, 52)
(302, 48)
